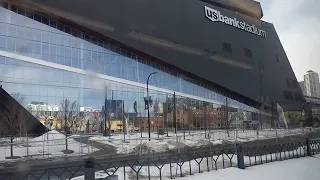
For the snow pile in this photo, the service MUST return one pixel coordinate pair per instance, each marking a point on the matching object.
(48, 145)
(201, 142)
(126, 148)
(219, 141)
(52, 137)
(151, 147)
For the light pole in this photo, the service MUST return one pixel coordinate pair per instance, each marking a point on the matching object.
(148, 100)
(105, 113)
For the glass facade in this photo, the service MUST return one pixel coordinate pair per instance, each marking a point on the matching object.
(48, 62)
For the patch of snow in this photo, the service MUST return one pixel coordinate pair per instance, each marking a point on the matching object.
(50, 144)
(192, 138)
(295, 169)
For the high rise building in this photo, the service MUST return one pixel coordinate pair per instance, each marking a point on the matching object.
(311, 82)
(303, 87)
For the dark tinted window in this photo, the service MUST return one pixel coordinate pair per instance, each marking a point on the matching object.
(298, 96)
(247, 52)
(288, 83)
(21, 11)
(37, 17)
(288, 95)
(4, 4)
(29, 14)
(14, 8)
(227, 47)
(45, 20)
(294, 84)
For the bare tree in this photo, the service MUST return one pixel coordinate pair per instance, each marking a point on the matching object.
(11, 118)
(20, 98)
(69, 111)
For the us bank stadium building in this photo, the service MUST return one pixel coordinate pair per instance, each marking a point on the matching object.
(206, 62)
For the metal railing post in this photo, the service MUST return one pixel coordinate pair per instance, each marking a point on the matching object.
(309, 153)
(89, 169)
(240, 156)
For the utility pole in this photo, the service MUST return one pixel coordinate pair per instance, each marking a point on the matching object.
(174, 113)
(65, 122)
(148, 105)
(105, 113)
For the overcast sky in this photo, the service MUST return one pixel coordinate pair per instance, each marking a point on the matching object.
(298, 25)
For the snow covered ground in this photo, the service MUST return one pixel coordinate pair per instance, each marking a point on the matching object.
(48, 145)
(295, 169)
(138, 143)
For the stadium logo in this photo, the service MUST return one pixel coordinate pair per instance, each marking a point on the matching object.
(216, 16)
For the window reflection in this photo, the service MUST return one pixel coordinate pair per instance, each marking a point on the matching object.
(52, 41)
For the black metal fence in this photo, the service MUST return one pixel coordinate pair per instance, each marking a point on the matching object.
(167, 165)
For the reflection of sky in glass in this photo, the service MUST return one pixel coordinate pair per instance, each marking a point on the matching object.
(50, 44)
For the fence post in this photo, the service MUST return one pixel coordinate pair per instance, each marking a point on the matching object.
(89, 169)
(240, 157)
(309, 153)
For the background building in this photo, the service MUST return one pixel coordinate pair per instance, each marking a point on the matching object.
(74, 54)
(303, 87)
(311, 82)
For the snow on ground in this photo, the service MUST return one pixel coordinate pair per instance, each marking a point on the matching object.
(129, 143)
(295, 169)
(50, 144)
(217, 163)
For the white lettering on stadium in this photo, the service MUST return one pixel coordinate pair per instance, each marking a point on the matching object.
(215, 15)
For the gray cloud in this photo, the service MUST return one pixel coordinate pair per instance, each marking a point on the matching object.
(298, 25)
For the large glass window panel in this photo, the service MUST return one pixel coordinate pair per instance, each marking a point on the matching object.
(66, 40)
(43, 91)
(45, 48)
(53, 49)
(61, 51)
(59, 92)
(75, 53)
(37, 35)
(11, 44)
(45, 37)
(53, 38)
(61, 60)
(75, 62)
(11, 30)
(36, 47)
(3, 29)
(2, 42)
(68, 61)
(67, 52)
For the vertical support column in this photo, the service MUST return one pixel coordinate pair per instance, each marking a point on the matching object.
(308, 144)
(240, 158)
(105, 112)
(174, 113)
(89, 169)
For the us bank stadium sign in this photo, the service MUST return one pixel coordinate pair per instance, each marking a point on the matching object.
(216, 16)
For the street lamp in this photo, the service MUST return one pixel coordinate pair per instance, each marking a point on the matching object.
(149, 124)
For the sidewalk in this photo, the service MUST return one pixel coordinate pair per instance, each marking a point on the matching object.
(296, 169)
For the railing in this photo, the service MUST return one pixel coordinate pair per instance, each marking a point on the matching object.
(167, 165)
(270, 153)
